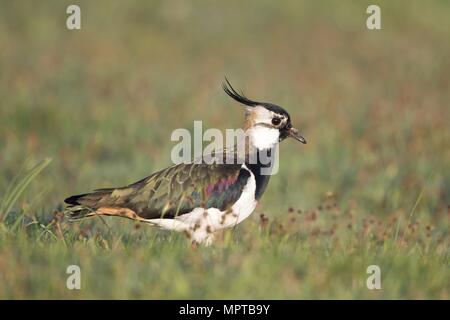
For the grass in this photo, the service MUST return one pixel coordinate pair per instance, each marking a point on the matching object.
(371, 187)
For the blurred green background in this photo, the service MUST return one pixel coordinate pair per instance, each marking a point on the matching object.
(372, 186)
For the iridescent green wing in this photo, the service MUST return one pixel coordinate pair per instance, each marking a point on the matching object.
(181, 188)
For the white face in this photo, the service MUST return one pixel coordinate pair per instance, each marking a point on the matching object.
(263, 137)
(262, 116)
(262, 131)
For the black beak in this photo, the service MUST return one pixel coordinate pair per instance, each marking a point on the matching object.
(293, 133)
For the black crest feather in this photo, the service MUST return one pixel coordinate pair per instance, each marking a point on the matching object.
(241, 98)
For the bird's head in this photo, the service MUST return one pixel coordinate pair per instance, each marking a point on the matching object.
(266, 123)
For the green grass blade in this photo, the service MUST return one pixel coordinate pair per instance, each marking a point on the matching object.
(9, 191)
(19, 188)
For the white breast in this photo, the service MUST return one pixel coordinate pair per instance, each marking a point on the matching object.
(246, 202)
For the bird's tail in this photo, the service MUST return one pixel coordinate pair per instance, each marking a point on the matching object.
(78, 212)
(86, 205)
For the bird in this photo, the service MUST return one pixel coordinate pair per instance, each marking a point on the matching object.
(196, 198)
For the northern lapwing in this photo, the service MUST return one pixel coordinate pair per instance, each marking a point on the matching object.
(199, 198)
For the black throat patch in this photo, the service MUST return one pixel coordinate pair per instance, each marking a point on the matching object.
(261, 171)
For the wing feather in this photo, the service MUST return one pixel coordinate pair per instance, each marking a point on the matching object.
(181, 188)
(174, 191)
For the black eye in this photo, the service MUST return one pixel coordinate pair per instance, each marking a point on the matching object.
(276, 121)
